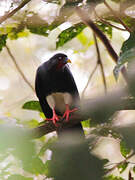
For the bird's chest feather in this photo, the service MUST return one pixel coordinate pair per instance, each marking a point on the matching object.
(59, 100)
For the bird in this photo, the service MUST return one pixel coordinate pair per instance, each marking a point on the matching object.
(56, 89)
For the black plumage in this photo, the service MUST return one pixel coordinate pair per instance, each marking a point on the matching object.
(54, 76)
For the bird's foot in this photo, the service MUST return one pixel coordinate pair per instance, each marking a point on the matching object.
(54, 119)
(68, 111)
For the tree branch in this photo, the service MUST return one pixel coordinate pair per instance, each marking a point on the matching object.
(101, 36)
(19, 69)
(100, 62)
(113, 12)
(10, 14)
(108, 23)
(89, 79)
(99, 110)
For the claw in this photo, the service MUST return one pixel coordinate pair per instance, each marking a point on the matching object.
(68, 111)
(54, 119)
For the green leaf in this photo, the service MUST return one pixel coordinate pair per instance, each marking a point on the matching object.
(124, 149)
(134, 169)
(3, 39)
(112, 177)
(32, 123)
(86, 123)
(42, 30)
(127, 54)
(124, 58)
(122, 167)
(18, 177)
(105, 28)
(32, 105)
(69, 34)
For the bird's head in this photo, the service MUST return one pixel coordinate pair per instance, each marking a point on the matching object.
(59, 60)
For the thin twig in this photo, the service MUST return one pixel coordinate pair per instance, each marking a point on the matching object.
(108, 23)
(19, 69)
(100, 62)
(86, 20)
(10, 14)
(113, 12)
(124, 161)
(91, 75)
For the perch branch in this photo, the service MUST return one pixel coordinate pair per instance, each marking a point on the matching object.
(19, 69)
(101, 36)
(99, 110)
(10, 14)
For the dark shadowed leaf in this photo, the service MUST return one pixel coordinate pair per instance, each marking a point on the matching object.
(69, 34)
(127, 54)
(32, 105)
(3, 39)
(42, 30)
(124, 149)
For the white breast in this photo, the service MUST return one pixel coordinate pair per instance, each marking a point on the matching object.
(59, 100)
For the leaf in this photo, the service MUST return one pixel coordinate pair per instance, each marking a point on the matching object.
(42, 30)
(134, 169)
(127, 54)
(32, 123)
(124, 58)
(124, 149)
(122, 167)
(18, 177)
(86, 123)
(3, 39)
(69, 34)
(112, 177)
(32, 105)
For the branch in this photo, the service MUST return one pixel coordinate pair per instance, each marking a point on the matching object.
(10, 14)
(99, 110)
(19, 69)
(90, 76)
(101, 36)
(100, 62)
(117, 164)
(108, 23)
(113, 12)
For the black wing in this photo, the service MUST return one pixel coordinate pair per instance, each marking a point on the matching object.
(71, 86)
(42, 92)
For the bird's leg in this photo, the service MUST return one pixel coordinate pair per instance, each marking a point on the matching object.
(68, 111)
(54, 119)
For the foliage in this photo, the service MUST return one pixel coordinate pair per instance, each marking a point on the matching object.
(3, 39)
(32, 105)
(69, 34)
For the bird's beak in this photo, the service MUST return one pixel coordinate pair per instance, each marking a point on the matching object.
(68, 61)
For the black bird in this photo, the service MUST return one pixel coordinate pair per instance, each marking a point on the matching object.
(56, 88)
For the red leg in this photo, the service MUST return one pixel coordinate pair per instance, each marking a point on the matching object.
(68, 111)
(55, 118)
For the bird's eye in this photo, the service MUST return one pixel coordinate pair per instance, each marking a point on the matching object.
(60, 58)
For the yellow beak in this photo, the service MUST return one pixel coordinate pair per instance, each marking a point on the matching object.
(68, 61)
